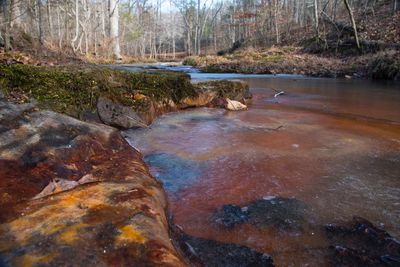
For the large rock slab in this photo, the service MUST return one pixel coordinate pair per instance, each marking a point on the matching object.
(76, 194)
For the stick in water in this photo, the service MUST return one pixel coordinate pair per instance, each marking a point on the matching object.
(278, 94)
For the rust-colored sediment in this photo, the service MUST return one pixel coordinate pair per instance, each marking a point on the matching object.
(337, 151)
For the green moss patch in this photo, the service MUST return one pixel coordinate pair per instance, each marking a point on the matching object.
(74, 89)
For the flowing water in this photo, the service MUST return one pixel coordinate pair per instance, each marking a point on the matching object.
(332, 144)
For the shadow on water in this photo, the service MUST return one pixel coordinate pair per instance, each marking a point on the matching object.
(174, 172)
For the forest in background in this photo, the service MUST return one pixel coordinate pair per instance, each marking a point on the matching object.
(170, 29)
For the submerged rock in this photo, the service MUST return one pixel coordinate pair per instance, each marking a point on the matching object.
(360, 243)
(285, 213)
(204, 252)
(231, 215)
(76, 194)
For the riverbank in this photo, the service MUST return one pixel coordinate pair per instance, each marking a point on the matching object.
(294, 60)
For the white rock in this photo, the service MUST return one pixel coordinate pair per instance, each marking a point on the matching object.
(269, 197)
(234, 105)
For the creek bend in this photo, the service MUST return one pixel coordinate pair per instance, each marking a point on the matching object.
(332, 144)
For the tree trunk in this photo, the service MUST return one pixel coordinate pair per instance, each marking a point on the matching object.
(114, 29)
(50, 20)
(7, 24)
(16, 13)
(76, 26)
(59, 28)
(40, 28)
(353, 23)
(396, 5)
(276, 14)
(198, 38)
(316, 17)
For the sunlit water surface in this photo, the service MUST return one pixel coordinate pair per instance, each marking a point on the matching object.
(333, 144)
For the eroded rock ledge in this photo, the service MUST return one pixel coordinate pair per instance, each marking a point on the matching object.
(117, 98)
(75, 193)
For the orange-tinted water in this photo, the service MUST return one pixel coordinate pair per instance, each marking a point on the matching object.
(337, 150)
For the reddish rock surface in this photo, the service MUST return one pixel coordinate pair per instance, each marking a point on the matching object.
(74, 193)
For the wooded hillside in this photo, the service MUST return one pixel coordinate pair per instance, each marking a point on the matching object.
(156, 29)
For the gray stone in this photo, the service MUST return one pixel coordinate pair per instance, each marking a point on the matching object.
(117, 115)
(11, 112)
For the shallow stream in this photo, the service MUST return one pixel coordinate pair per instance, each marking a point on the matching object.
(333, 145)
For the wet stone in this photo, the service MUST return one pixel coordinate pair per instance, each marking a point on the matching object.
(360, 243)
(283, 213)
(216, 254)
(286, 213)
(231, 215)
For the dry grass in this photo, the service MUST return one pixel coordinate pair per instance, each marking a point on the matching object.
(291, 60)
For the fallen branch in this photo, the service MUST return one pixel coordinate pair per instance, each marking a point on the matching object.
(274, 129)
(279, 93)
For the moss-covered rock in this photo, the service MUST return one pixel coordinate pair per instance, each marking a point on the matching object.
(71, 90)
(232, 89)
(75, 91)
(214, 93)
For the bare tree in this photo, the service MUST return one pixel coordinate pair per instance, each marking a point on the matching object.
(316, 17)
(396, 5)
(114, 28)
(40, 26)
(353, 23)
